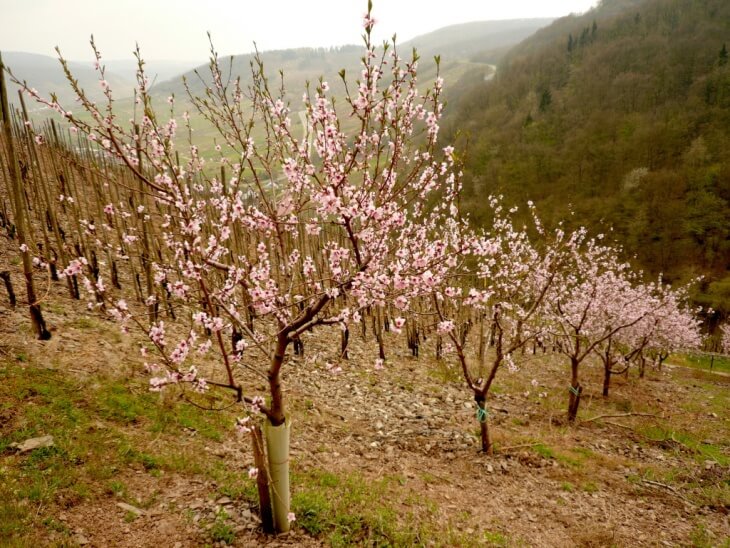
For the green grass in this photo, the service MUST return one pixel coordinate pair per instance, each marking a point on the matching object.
(351, 510)
(443, 372)
(702, 361)
(543, 450)
(702, 538)
(573, 457)
(687, 441)
(494, 539)
(347, 510)
(222, 531)
(85, 323)
(100, 429)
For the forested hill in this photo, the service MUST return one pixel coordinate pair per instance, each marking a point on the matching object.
(621, 115)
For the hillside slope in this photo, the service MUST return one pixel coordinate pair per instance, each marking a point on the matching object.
(621, 115)
(456, 44)
(46, 75)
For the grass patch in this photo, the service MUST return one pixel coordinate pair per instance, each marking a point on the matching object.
(233, 484)
(701, 538)
(703, 361)
(100, 429)
(185, 416)
(445, 373)
(494, 539)
(221, 531)
(118, 404)
(683, 440)
(84, 322)
(347, 510)
(544, 451)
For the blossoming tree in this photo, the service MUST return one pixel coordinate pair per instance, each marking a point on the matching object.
(668, 325)
(303, 232)
(505, 285)
(677, 326)
(594, 300)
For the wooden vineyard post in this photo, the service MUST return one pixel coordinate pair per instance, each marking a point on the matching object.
(18, 206)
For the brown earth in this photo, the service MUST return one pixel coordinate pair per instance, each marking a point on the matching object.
(623, 480)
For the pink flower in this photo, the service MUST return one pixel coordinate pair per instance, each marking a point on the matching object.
(257, 403)
(253, 473)
(157, 334)
(368, 22)
(243, 427)
(291, 517)
(398, 324)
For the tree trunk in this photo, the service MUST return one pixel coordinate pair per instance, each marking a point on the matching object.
(262, 480)
(482, 341)
(606, 379)
(276, 429)
(483, 418)
(345, 339)
(378, 332)
(277, 397)
(575, 392)
(277, 449)
(298, 347)
(5, 275)
(413, 339)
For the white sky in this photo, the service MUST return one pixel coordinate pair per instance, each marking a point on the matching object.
(175, 29)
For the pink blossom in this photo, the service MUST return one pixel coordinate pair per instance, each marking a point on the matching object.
(243, 425)
(257, 403)
(157, 334)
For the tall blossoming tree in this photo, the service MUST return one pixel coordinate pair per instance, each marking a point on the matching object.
(293, 234)
(677, 326)
(594, 300)
(506, 282)
(668, 325)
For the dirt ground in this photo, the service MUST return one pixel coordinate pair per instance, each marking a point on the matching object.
(653, 471)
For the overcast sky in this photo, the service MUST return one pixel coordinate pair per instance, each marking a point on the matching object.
(175, 29)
